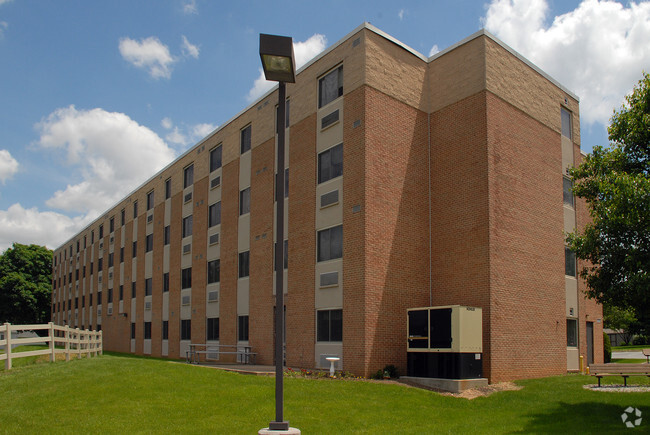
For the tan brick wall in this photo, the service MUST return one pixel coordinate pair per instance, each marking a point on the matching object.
(175, 249)
(199, 254)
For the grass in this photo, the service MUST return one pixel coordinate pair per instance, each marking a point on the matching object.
(628, 360)
(634, 348)
(118, 394)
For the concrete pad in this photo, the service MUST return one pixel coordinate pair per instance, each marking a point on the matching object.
(451, 385)
(267, 431)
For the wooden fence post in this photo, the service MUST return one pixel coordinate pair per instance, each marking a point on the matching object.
(66, 334)
(101, 342)
(52, 351)
(8, 346)
(78, 342)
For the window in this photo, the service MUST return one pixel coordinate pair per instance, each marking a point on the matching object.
(186, 329)
(111, 224)
(569, 262)
(166, 235)
(132, 331)
(123, 217)
(111, 257)
(165, 282)
(214, 214)
(330, 163)
(329, 325)
(568, 194)
(215, 158)
(165, 330)
(244, 264)
(100, 265)
(168, 188)
(133, 291)
(148, 287)
(150, 200)
(245, 139)
(84, 248)
(187, 226)
(245, 201)
(212, 332)
(121, 255)
(121, 293)
(330, 87)
(90, 299)
(285, 253)
(99, 298)
(186, 278)
(214, 271)
(92, 237)
(188, 176)
(149, 243)
(330, 243)
(147, 330)
(101, 232)
(242, 328)
(566, 123)
(571, 332)
(91, 268)
(135, 249)
(135, 209)
(110, 295)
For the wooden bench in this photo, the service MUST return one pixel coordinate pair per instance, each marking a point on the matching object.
(646, 354)
(619, 369)
(244, 354)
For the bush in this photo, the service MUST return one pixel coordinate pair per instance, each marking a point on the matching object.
(389, 371)
(607, 347)
(640, 340)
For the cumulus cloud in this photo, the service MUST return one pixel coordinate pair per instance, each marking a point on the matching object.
(434, 50)
(597, 50)
(199, 131)
(166, 123)
(190, 7)
(8, 166)
(21, 225)
(186, 134)
(112, 154)
(149, 54)
(189, 49)
(400, 14)
(303, 52)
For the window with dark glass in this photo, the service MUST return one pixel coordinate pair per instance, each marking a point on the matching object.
(214, 271)
(242, 328)
(123, 217)
(245, 142)
(245, 201)
(569, 262)
(111, 257)
(165, 330)
(100, 264)
(186, 329)
(135, 249)
(188, 176)
(566, 123)
(101, 231)
(148, 287)
(330, 163)
(244, 264)
(121, 255)
(329, 324)
(147, 330)
(110, 295)
(132, 330)
(166, 235)
(111, 224)
(568, 193)
(165, 282)
(215, 158)
(330, 243)
(168, 188)
(149, 243)
(133, 289)
(186, 278)
(187, 226)
(121, 292)
(135, 209)
(330, 87)
(571, 332)
(212, 332)
(214, 214)
(150, 200)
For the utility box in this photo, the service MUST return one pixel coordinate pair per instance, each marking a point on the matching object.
(445, 342)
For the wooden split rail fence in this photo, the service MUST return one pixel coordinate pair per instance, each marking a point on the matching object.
(70, 341)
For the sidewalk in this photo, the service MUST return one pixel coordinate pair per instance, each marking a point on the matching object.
(628, 355)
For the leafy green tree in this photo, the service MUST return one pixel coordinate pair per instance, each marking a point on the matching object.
(25, 284)
(622, 320)
(615, 182)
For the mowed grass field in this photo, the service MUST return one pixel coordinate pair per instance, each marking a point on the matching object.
(117, 393)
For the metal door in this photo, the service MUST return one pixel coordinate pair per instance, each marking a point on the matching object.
(590, 343)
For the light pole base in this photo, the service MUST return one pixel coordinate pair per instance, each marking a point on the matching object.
(289, 431)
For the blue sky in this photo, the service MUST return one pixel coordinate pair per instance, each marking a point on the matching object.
(114, 90)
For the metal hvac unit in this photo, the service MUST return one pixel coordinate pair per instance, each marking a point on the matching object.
(445, 342)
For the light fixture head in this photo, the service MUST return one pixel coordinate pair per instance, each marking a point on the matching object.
(277, 57)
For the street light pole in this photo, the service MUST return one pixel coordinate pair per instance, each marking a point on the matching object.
(278, 63)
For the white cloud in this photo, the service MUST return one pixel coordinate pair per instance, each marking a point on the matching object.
(400, 14)
(190, 7)
(48, 228)
(166, 123)
(303, 52)
(150, 54)
(434, 50)
(112, 153)
(598, 50)
(187, 134)
(176, 137)
(3, 27)
(189, 49)
(8, 166)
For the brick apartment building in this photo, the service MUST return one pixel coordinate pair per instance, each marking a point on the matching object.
(412, 182)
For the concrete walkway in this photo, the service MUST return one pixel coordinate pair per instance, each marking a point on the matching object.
(628, 355)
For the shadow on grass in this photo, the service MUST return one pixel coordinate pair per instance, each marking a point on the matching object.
(587, 417)
(147, 357)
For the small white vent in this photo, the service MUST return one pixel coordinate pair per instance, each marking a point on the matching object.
(147, 306)
(188, 197)
(329, 278)
(185, 300)
(213, 296)
(150, 218)
(187, 248)
(214, 239)
(329, 198)
(215, 182)
(109, 311)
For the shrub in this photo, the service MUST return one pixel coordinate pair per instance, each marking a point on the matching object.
(640, 340)
(607, 347)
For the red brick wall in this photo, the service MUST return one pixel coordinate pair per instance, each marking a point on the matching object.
(199, 257)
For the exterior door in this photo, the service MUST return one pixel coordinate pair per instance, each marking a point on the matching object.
(590, 343)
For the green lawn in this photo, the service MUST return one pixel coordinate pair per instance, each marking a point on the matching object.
(634, 348)
(120, 394)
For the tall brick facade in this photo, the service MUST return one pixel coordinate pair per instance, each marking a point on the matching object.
(450, 192)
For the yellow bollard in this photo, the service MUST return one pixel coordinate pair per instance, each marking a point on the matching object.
(582, 364)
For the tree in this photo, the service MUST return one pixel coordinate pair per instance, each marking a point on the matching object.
(25, 284)
(615, 182)
(622, 321)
